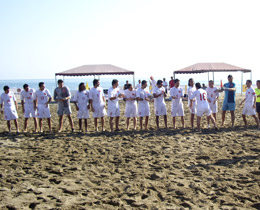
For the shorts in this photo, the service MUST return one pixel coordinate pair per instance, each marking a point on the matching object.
(202, 110)
(143, 110)
(29, 111)
(113, 111)
(257, 106)
(193, 110)
(10, 114)
(43, 111)
(214, 107)
(160, 110)
(63, 110)
(229, 107)
(248, 109)
(177, 110)
(131, 110)
(100, 111)
(83, 114)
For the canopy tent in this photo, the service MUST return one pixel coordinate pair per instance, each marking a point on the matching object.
(96, 70)
(213, 67)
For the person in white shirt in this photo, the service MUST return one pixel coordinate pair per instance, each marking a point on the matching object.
(213, 94)
(81, 101)
(27, 97)
(143, 98)
(97, 103)
(10, 108)
(191, 90)
(42, 98)
(159, 103)
(176, 94)
(202, 105)
(250, 103)
(113, 104)
(165, 85)
(152, 83)
(131, 105)
(139, 85)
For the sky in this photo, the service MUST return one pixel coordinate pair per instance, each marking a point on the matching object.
(150, 37)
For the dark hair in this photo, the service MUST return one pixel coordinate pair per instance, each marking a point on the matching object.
(211, 81)
(159, 82)
(128, 86)
(60, 81)
(144, 82)
(258, 81)
(6, 88)
(41, 83)
(114, 81)
(230, 76)
(80, 84)
(249, 80)
(198, 85)
(25, 86)
(176, 80)
(95, 81)
(189, 81)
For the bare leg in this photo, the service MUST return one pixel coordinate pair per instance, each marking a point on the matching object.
(223, 117)
(232, 117)
(244, 119)
(95, 120)
(25, 124)
(102, 123)
(208, 119)
(165, 121)
(127, 123)
(182, 121)
(198, 123)
(215, 116)
(86, 125)
(35, 124)
(40, 124)
(256, 120)
(49, 123)
(60, 123)
(192, 120)
(173, 122)
(212, 120)
(141, 123)
(146, 122)
(134, 119)
(16, 125)
(71, 122)
(80, 125)
(157, 122)
(111, 123)
(117, 123)
(8, 125)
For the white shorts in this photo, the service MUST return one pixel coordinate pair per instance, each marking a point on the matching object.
(193, 110)
(43, 111)
(113, 111)
(160, 110)
(29, 111)
(131, 110)
(214, 107)
(100, 111)
(202, 110)
(177, 110)
(10, 114)
(83, 114)
(143, 110)
(248, 109)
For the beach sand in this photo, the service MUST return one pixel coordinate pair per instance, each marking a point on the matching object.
(154, 169)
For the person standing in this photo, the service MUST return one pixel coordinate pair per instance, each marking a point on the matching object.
(213, 94)
(42, 98)
(176, 94)
(62, 96)
(171, 83)
(10, 108)
(97, 103)
(159, 103)
(193, 111)
(126, 85)
(143, 98)
(229, 103)
(27, 97)
(257, 91)
(131, 105)
(165, 85)
(139, 85)
(82, 105)
(113, 104)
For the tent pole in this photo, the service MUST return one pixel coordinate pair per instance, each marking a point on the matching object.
(251, 75)
(208, 76)
(55, 80)
(173, 75)
(241, 83)
(133, 80)
(213, 77)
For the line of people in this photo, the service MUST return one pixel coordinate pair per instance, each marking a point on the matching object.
(35, 104)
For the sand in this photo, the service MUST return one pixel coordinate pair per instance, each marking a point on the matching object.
(165, 169)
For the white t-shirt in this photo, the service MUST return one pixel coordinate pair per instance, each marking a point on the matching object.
(250, 95)
(178, 93)
(165, 84)
(159, 100)
(191, 90)
(28, 96)
(113, 92)
(142, 93)
(130, 94)
(42, 96)
(201, 97)
(153, 83)
(8, 100)
(138, 86)
(96, 94)
(211, 93)
(82, 98)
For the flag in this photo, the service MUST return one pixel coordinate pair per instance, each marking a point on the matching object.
(221, 84)
(87, 87)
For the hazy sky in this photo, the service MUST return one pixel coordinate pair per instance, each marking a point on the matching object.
(151, 37)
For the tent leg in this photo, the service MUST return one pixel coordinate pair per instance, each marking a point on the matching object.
(241, 83)
(55, 80)
(173, 75)
(208, 77)
(251, 75)
(133, 80)
(213, 77)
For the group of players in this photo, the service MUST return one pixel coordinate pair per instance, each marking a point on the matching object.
(35, 104)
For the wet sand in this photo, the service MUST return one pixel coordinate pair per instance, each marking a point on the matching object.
(154, 169)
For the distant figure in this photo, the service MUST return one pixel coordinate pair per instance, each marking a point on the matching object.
(27, 97)
(165, 85)
(139, 85)
(41, 103)
(10, 108)
(250, 105)
(152, 82)
(204, 87)
(131, 105)
(213, 94)
(257, 91)
(193, 110)
(171, 83)
(62, 96)
(126, 85)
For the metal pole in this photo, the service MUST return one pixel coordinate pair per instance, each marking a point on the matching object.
(241, 83)
(213, 77)
(208, 76)
(251, 76)
(173, 75)
(134, 80)
(55, 80)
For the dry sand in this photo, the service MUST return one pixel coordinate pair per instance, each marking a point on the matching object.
(165, 169)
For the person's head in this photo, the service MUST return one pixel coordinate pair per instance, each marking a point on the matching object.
(211, 83)
(198, 85)
(176, 83)
(114, 83)
(203, 85)
(6, 89)
(248, 83)
(171, 78)
(26, 87)
(159, 83)
(60, 83)
(96, 82)
(230, 78)
(41, 85)
(129, 86)
(164, 79)
(258, 84)
(151, 77)
(144, 84)
(126, 81)
(82, 87)
(191, 82)
(139, 81)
